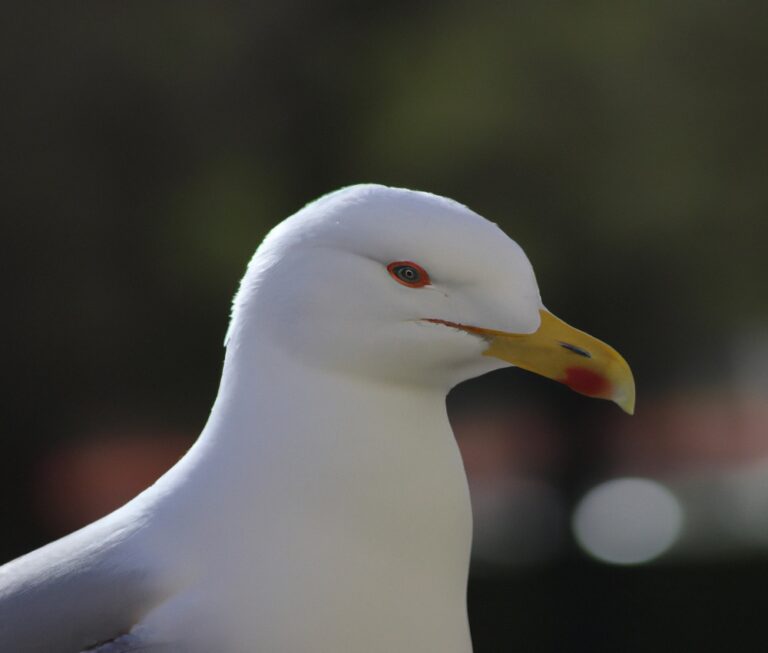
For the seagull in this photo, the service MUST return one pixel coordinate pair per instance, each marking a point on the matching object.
(324, 507)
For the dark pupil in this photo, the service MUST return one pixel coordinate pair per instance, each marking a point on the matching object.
(407, 273)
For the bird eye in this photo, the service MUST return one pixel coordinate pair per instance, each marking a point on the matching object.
(409, 274)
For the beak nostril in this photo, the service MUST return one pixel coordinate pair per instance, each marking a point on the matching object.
(575, 349)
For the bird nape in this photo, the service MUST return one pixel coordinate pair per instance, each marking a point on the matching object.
(324, 507)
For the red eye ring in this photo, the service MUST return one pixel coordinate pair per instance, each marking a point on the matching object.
(408, 273)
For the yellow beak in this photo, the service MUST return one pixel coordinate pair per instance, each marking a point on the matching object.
(562, 353)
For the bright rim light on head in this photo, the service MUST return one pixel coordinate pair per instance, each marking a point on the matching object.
(627, 521)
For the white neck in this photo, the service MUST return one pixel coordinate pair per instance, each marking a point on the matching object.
(358, 515)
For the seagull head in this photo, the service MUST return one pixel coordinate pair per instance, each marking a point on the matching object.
(394, 285)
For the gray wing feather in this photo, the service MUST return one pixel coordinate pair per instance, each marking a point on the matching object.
(129, 644)
(86, 588)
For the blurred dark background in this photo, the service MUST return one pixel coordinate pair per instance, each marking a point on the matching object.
(148, 147)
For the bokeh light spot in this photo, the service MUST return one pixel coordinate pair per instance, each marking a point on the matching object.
(627, 521)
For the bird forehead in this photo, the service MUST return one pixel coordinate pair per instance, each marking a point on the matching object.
(419, 225)
(372, 211)
(389, 224)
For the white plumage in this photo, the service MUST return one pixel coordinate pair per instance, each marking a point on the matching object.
(324, 507)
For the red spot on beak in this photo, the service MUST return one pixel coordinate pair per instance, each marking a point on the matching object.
(587, 382)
